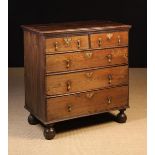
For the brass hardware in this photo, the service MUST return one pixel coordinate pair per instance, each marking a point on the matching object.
(89, 74)
(109, 36)
(68, 63)
(109, 100)
(99, 42)
(78, 44)
(88, 55)
(126, 54)
(109, 57)
(67, 41)
(109, 78)
(90, 95)
(56, 45)
(68, 83)
(119, 40)
(69, 108)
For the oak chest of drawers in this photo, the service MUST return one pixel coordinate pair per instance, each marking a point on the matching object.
(75, 70)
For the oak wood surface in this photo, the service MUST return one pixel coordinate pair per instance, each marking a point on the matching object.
(86, 80)
(65, 78)
(86, 103)
(34, 65)
(63, 46)
(71, 27)
(106, 41)
(86, 59)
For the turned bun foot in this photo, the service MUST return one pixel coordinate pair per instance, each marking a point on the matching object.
(49, 133)
(32, 120)
(121, 117)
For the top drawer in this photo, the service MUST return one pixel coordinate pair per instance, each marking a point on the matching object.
(57, 45)
(112, 39)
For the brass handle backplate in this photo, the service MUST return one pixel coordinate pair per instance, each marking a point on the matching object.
(89, 74)
(68, 83)
(67, 41)
(109, 78)
(99, 42)
(109, 57)
(88, 55)
(109, 99)
(90, 95)
(109, 36)
(68, 63)
(78, 44)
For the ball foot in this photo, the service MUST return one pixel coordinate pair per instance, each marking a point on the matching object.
(32, 120)
(121, 117)
(49, 133)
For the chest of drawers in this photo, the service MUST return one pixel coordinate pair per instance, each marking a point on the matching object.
(74, 70)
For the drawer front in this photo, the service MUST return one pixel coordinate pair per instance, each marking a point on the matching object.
(86, 59)
(113, 39)
(86, 103)
(86, 80)
(56, 45)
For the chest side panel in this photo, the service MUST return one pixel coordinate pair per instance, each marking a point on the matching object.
(34, 74)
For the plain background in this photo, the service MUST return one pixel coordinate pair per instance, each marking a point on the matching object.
(132, 12)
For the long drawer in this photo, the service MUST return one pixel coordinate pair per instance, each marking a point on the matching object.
(86, 103)
(86, 59)
(86, 80)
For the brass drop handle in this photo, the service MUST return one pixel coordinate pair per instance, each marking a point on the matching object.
(90, 95)
(56, 45)
(78, 44)
(89, 74)
(99, 42)
(109, 57)
(69, 108)
(68, 83)
(109, 99)
(109, 78)
(88, 55)
(119, 40)
(68, 63)
(126, 55)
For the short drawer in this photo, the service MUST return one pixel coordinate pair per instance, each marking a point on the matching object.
(112, 39)
(86, 59)
(56, 45)
(86, 80)
(60, 108)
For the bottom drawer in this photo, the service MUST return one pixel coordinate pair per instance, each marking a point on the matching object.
(82, 104)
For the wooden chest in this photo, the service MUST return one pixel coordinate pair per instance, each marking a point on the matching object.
(75, 70)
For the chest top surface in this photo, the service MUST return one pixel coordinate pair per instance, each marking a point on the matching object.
(79, 26)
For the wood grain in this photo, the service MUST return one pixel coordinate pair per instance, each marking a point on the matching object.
(76, 27)
(86, 59)
(112, 42)
(68, 74)
(62, 46)
(34, 75)
(86, 80)
(81, 104)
